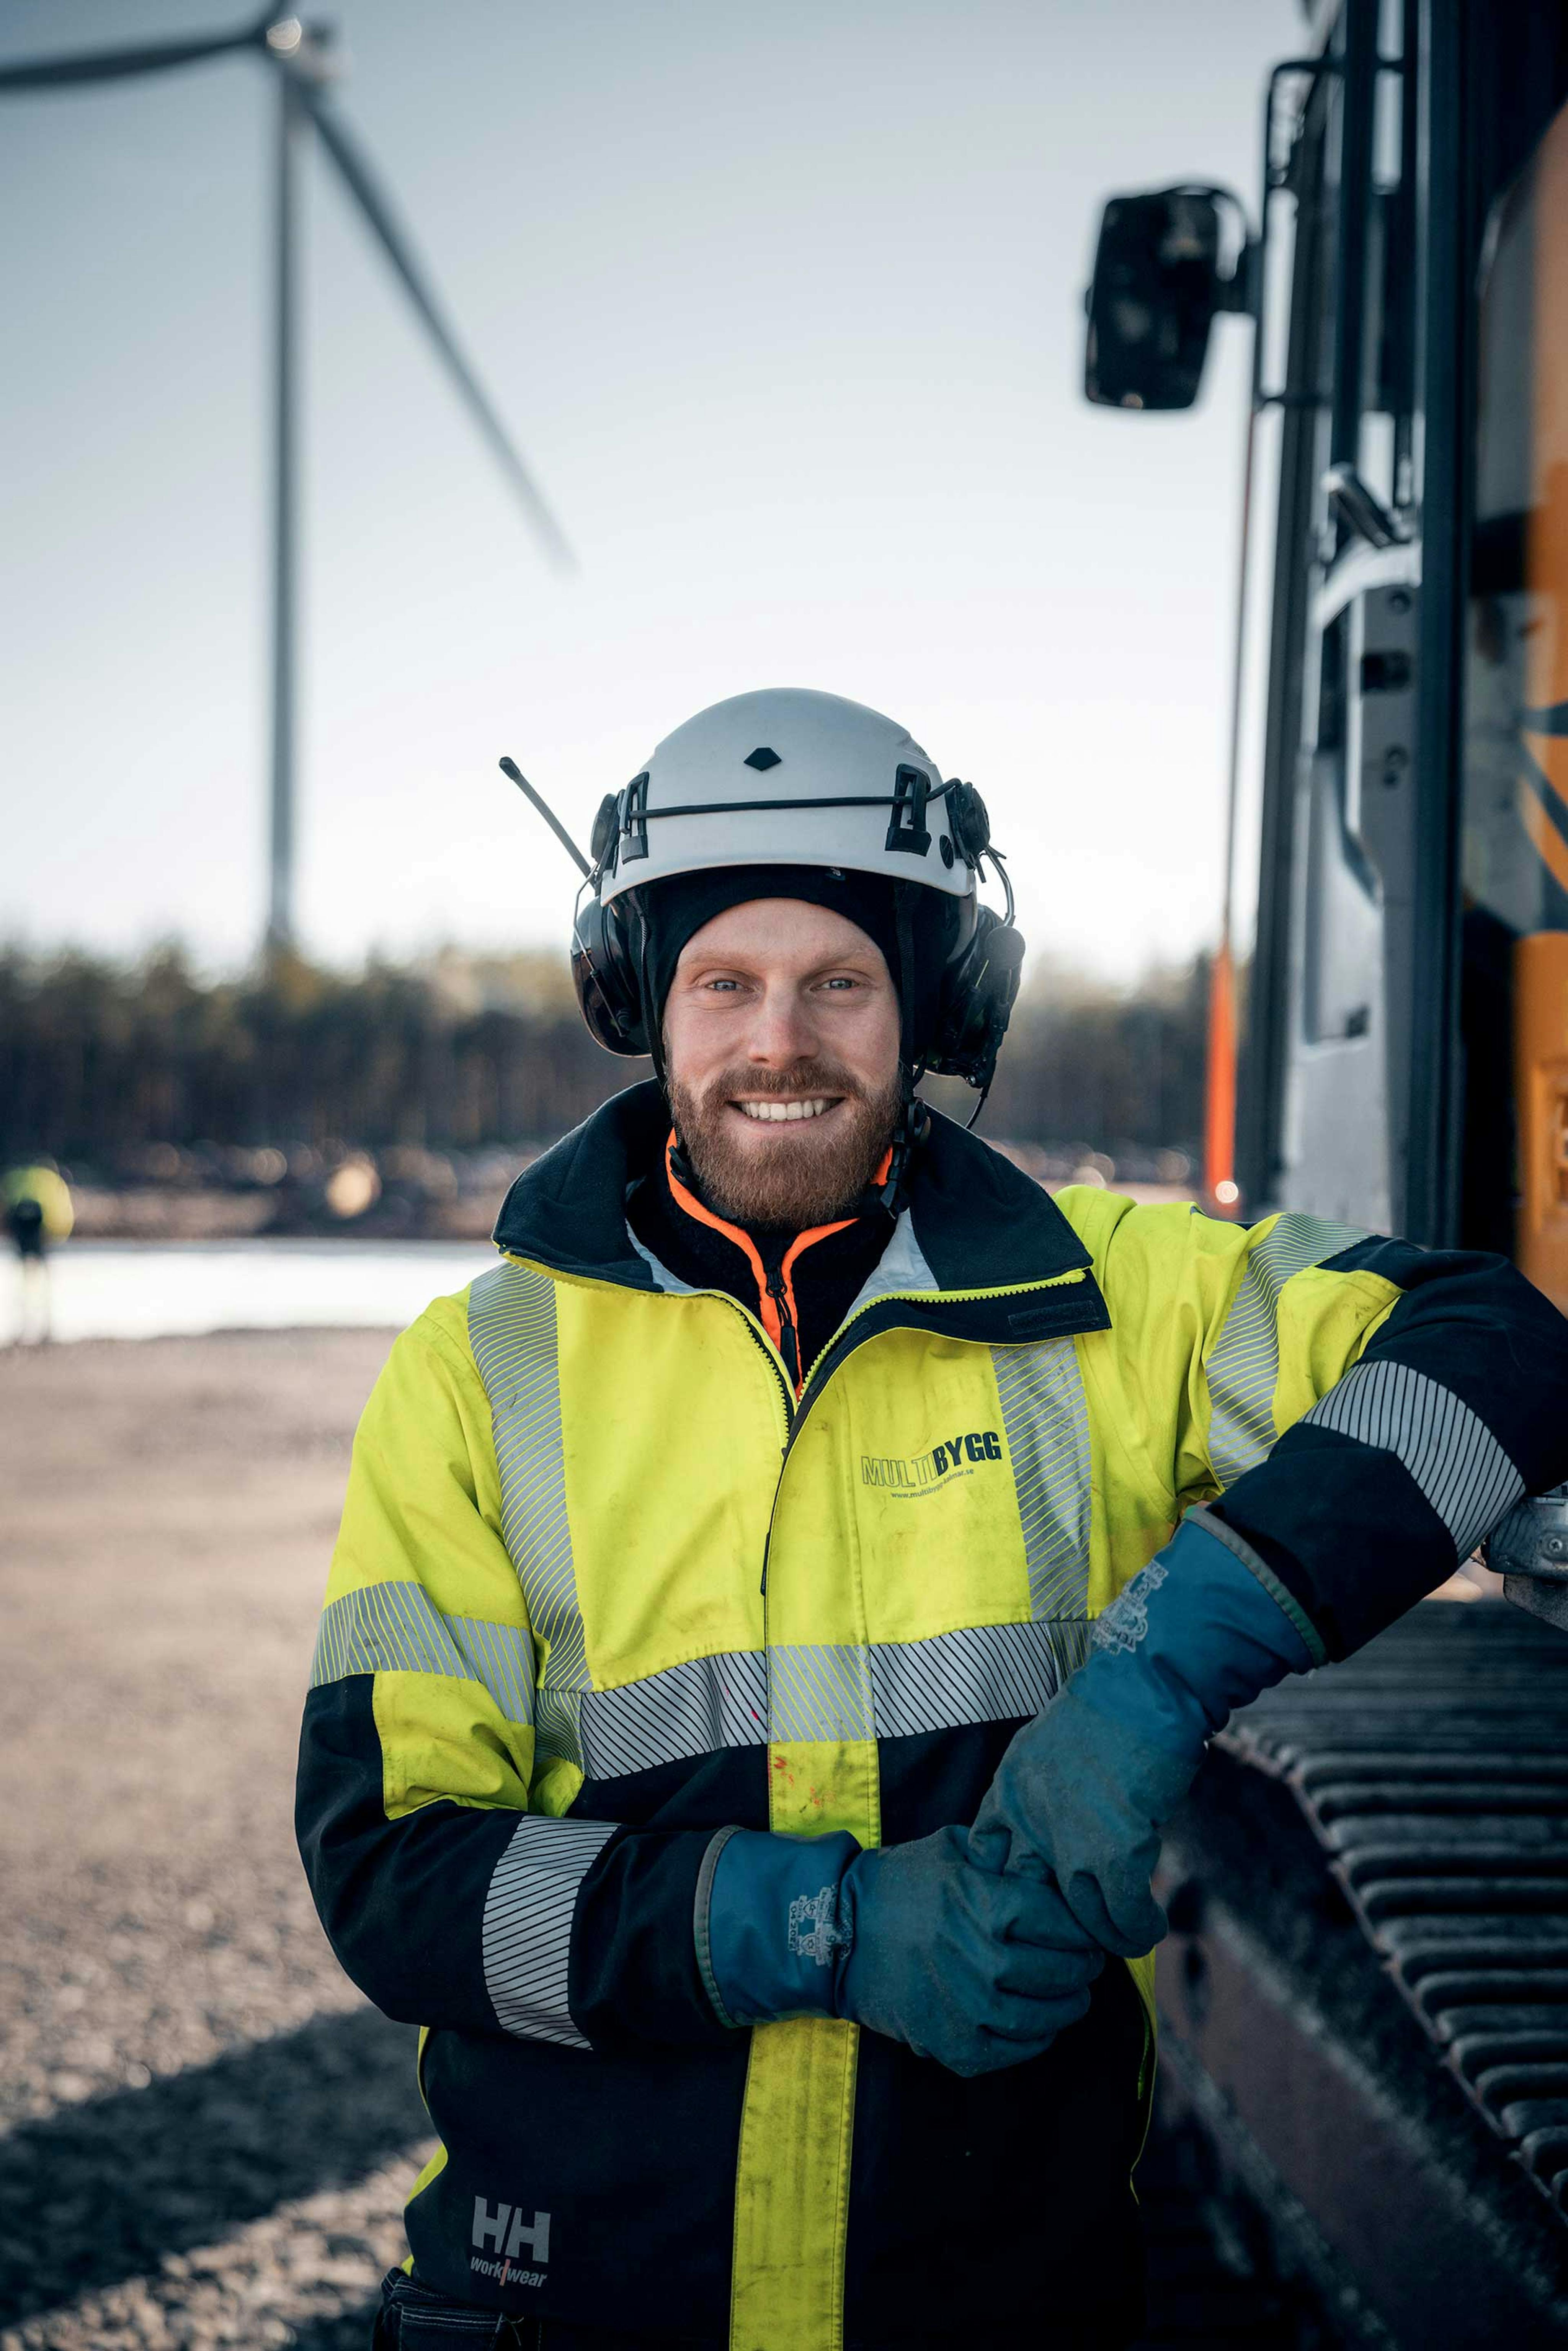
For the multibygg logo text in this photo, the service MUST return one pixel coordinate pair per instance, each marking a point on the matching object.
(923, 1471)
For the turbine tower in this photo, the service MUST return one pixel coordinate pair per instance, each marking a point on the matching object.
(301, 57)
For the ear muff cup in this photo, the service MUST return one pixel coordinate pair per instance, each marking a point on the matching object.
(604, 974)
(979, 990)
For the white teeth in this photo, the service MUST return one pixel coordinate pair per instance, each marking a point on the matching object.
(777, 1112)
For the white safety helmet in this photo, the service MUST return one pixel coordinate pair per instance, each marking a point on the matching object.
(783, 777)
(791, 777)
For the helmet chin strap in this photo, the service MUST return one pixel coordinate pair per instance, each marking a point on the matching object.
(914, 1125)
(653, 1015)
(914, 1119)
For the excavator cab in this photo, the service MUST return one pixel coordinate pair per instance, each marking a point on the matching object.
(1403, 1067)
(1405, 1062)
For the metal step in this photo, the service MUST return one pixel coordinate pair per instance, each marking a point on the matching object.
(1433, 1769)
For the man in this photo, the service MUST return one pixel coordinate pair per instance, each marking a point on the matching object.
(689, 1752)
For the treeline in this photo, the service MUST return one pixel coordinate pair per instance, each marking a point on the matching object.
(98, 1059)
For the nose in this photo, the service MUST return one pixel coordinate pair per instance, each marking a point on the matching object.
(783, 1031)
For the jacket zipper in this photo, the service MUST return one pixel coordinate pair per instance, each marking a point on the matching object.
(786, 1392)
(787, 1398)
(789, 1336)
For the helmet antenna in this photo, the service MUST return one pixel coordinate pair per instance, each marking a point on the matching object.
(510, 767)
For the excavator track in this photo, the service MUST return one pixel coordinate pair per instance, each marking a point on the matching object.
(1433, 1771)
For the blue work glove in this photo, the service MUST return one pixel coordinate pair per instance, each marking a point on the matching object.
(1084, 1787)
(964, 1965)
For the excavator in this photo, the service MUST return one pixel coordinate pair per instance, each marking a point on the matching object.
(1365, 1995)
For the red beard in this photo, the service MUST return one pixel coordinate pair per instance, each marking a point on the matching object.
(809, 1172)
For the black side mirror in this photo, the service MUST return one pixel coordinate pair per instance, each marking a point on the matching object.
(1150, 302)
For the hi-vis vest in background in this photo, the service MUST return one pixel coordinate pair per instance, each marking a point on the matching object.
(604, 1585)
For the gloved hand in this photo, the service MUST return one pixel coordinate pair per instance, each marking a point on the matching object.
(964, 1965)
(1084, 1787)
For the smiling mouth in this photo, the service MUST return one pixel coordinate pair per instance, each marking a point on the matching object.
(778, 1111)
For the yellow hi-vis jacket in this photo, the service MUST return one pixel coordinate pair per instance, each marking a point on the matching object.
(604, 1585)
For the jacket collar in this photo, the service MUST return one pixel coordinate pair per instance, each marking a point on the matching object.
(979, 1222)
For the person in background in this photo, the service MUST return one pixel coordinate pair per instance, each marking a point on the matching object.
(37, 1205)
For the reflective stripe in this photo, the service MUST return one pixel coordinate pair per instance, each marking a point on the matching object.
(691, 1709)
(895, 1690)
(511, 1330)
(1451, 1454)
(1244, 1365)
(1046, 1423)
(526, 1939)
(988, 1673)
(392, 1628)
(818, 1690)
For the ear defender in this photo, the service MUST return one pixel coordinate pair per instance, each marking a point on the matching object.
(980, 984)
(980, 989)
(604, 974)
(603, 958)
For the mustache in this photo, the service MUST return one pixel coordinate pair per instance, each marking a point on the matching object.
(808, 1081)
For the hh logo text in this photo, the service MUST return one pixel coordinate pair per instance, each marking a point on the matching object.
(508, 2231)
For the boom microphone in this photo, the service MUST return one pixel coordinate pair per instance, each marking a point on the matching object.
(510, 767)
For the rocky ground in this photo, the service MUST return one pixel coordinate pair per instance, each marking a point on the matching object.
(205, 2135)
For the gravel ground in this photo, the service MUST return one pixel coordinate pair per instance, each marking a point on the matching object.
(205, 2135)
(305, 2274)
(211, 2134)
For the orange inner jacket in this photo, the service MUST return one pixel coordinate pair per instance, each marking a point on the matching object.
(776, 1307)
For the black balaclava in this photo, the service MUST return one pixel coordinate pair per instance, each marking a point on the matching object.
(673, 911)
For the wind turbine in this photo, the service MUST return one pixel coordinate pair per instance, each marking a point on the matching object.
(301, 57)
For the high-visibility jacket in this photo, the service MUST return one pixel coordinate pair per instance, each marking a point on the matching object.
(605, 1585)
(46, 1193)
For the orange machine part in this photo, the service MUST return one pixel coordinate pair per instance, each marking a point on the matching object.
(1541, 959)
(1541, 1101)
(1219, 1086)
(1546, 529)
(1546, 538)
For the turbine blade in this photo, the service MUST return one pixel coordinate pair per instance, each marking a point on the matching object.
(115, 65)
(372, 202)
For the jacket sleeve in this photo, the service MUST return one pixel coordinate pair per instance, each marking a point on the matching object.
(1456, 1405)
(1360, 1411)
(447, 1900)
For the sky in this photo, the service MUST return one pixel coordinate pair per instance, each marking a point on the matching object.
(784, 309)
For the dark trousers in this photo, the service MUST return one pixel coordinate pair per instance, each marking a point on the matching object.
(413, 2318)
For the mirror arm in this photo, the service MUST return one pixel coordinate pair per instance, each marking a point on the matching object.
(1242, 291)
(1360, 508)
(1312, 70)
(1273, 179)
